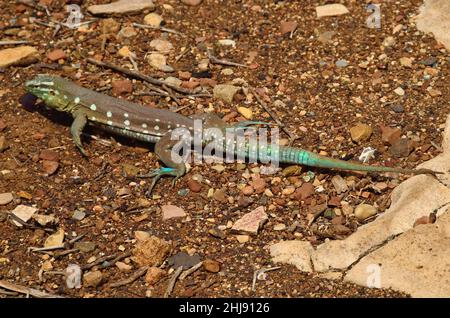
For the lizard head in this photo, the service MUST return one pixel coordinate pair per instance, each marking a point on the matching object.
(50, 89)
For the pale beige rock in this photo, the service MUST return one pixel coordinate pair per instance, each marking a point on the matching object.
(171, 211)
(6, 198)
(417, 262)
(297, 253)
(159, 61)
(225, 92)
(24, 213)
(122, 7)
(15, 55)
(331, 10)
(153, 19)
(434, 17)
(412, 199)
(151, 252)
(56, 239)
(251, 222)
(161, 45)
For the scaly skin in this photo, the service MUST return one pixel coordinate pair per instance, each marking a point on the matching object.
(155, 125)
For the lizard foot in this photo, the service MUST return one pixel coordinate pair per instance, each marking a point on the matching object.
(158, 173)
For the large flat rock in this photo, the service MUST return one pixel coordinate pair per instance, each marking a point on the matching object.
(121, 7)
(417, 262)
(434, 17)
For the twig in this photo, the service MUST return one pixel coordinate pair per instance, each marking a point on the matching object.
(189, 271)
(274, 117)
(79, 237)
(99, 261)
(182, 54)
(141, 271)
(26, 290)
(172, 282)
(45, 249)
(144, 26)
(118, 258)
(215, 60)
(13, 42)
(64, 253)
(171, 94)
(138, 75)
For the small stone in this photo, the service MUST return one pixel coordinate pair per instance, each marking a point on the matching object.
(211, 266)
(2, 125)
(161, 45)
(389, 41)
(305, 191)
(220, 195)
(127, 32)
(78, 215)
(194, 186)
(246, 112)
(219, 168)
(217, 233)
(431, 61)
(153, 19)
(125, 51)
(227, 42)
(92, 279)
(244, 201)
(24, 213)
(183, 259)
(121, 7)
(288, 190)
(399, 91)
(339, 184)
(141, 235)
(120, 87)
(225, 92)
(159, 62)
(406, 62)
(154, 275)
(73, 276)
(390, 135)
(56, 239)
(243, 238)
(192, 2)
(44, 220)
(288, 27)
(251, 222)
(85, 247)
(291, 171)
(227, 72)
(401, 148)
(279, 227)
(49, 167)
(49, 155)
(171, 211)
(341, 63)
(422, 220)
(365, 211)
(130, 170)
(361, 132)
(56, 55)
(6, 198)
(398, 108)
(3, 144)
(21, 55)
(434, 92)
(151, 252)
(331, 10)
(123, 267)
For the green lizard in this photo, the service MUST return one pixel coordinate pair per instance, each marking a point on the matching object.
(155, 125)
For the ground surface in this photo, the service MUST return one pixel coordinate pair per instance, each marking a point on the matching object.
(320, 102)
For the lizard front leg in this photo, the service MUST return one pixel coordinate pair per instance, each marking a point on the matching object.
(78, 124)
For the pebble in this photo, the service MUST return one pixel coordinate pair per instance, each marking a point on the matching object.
(92, 278)
(398, 108)
(217, 233)
(49, 167)
(361, 132)
(49, 155)
(151, 252)
(211, 266)
(171, 211)
(219, 168)
(153, 19)
(2, 125)
(183, 259)
(399, 91)
(247, 113)
(130, 170)
(44, 220)
(334, 201)
(243, 238)
(225, 92)
(159, 62)
(365, 211)
(24, 213)
(120, 87)
(56, 55)
(401, 148)
(123, 267)
(56, 239)
(125, 51)
(78, 215)
(288, 190)
(85, 247)
(251, 222)
(331, 10)
(227, 42)
(18, 55)
(340, 185)
(406, 62)
(341, 63)
(288, 27)
(291, 171)
(194, 186)
(141, 235)
(127, 32)
(121, 7)
(390, 135)
(6, 198)
(161, 45)
(305, 191)
(279, 227)
(154, 275)
(227, 72)
(244, 201)
(431, 61)
(192, 2)
(220, 195)
(73, 276)
(389, 41)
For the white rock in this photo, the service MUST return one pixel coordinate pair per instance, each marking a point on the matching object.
(339, 184)
(6, 198)
(159, 62)
(73, 276)
(227, 42)
(24, 213)
(417, 262)
(399, 91)
(121, 7)
(331, 10)
(161, 45)
(434, 17)
(297, 253)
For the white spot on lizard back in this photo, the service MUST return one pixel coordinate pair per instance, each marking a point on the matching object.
(93, 107)
(76, 100)
(125, 115)
(109, 114)
(127, 122)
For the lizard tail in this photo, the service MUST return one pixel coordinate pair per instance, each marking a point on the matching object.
(311, 159)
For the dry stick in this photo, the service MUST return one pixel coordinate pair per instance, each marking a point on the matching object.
(171, 94)
(215, 60)
(274, 117)
(141, 271)
(172, 282)
(13, 42)
(144, 26)
(118, 258)
(138, 75)
(99, 261)
(45, 249)
(189, 271)
(182, 54)
(26, 290)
